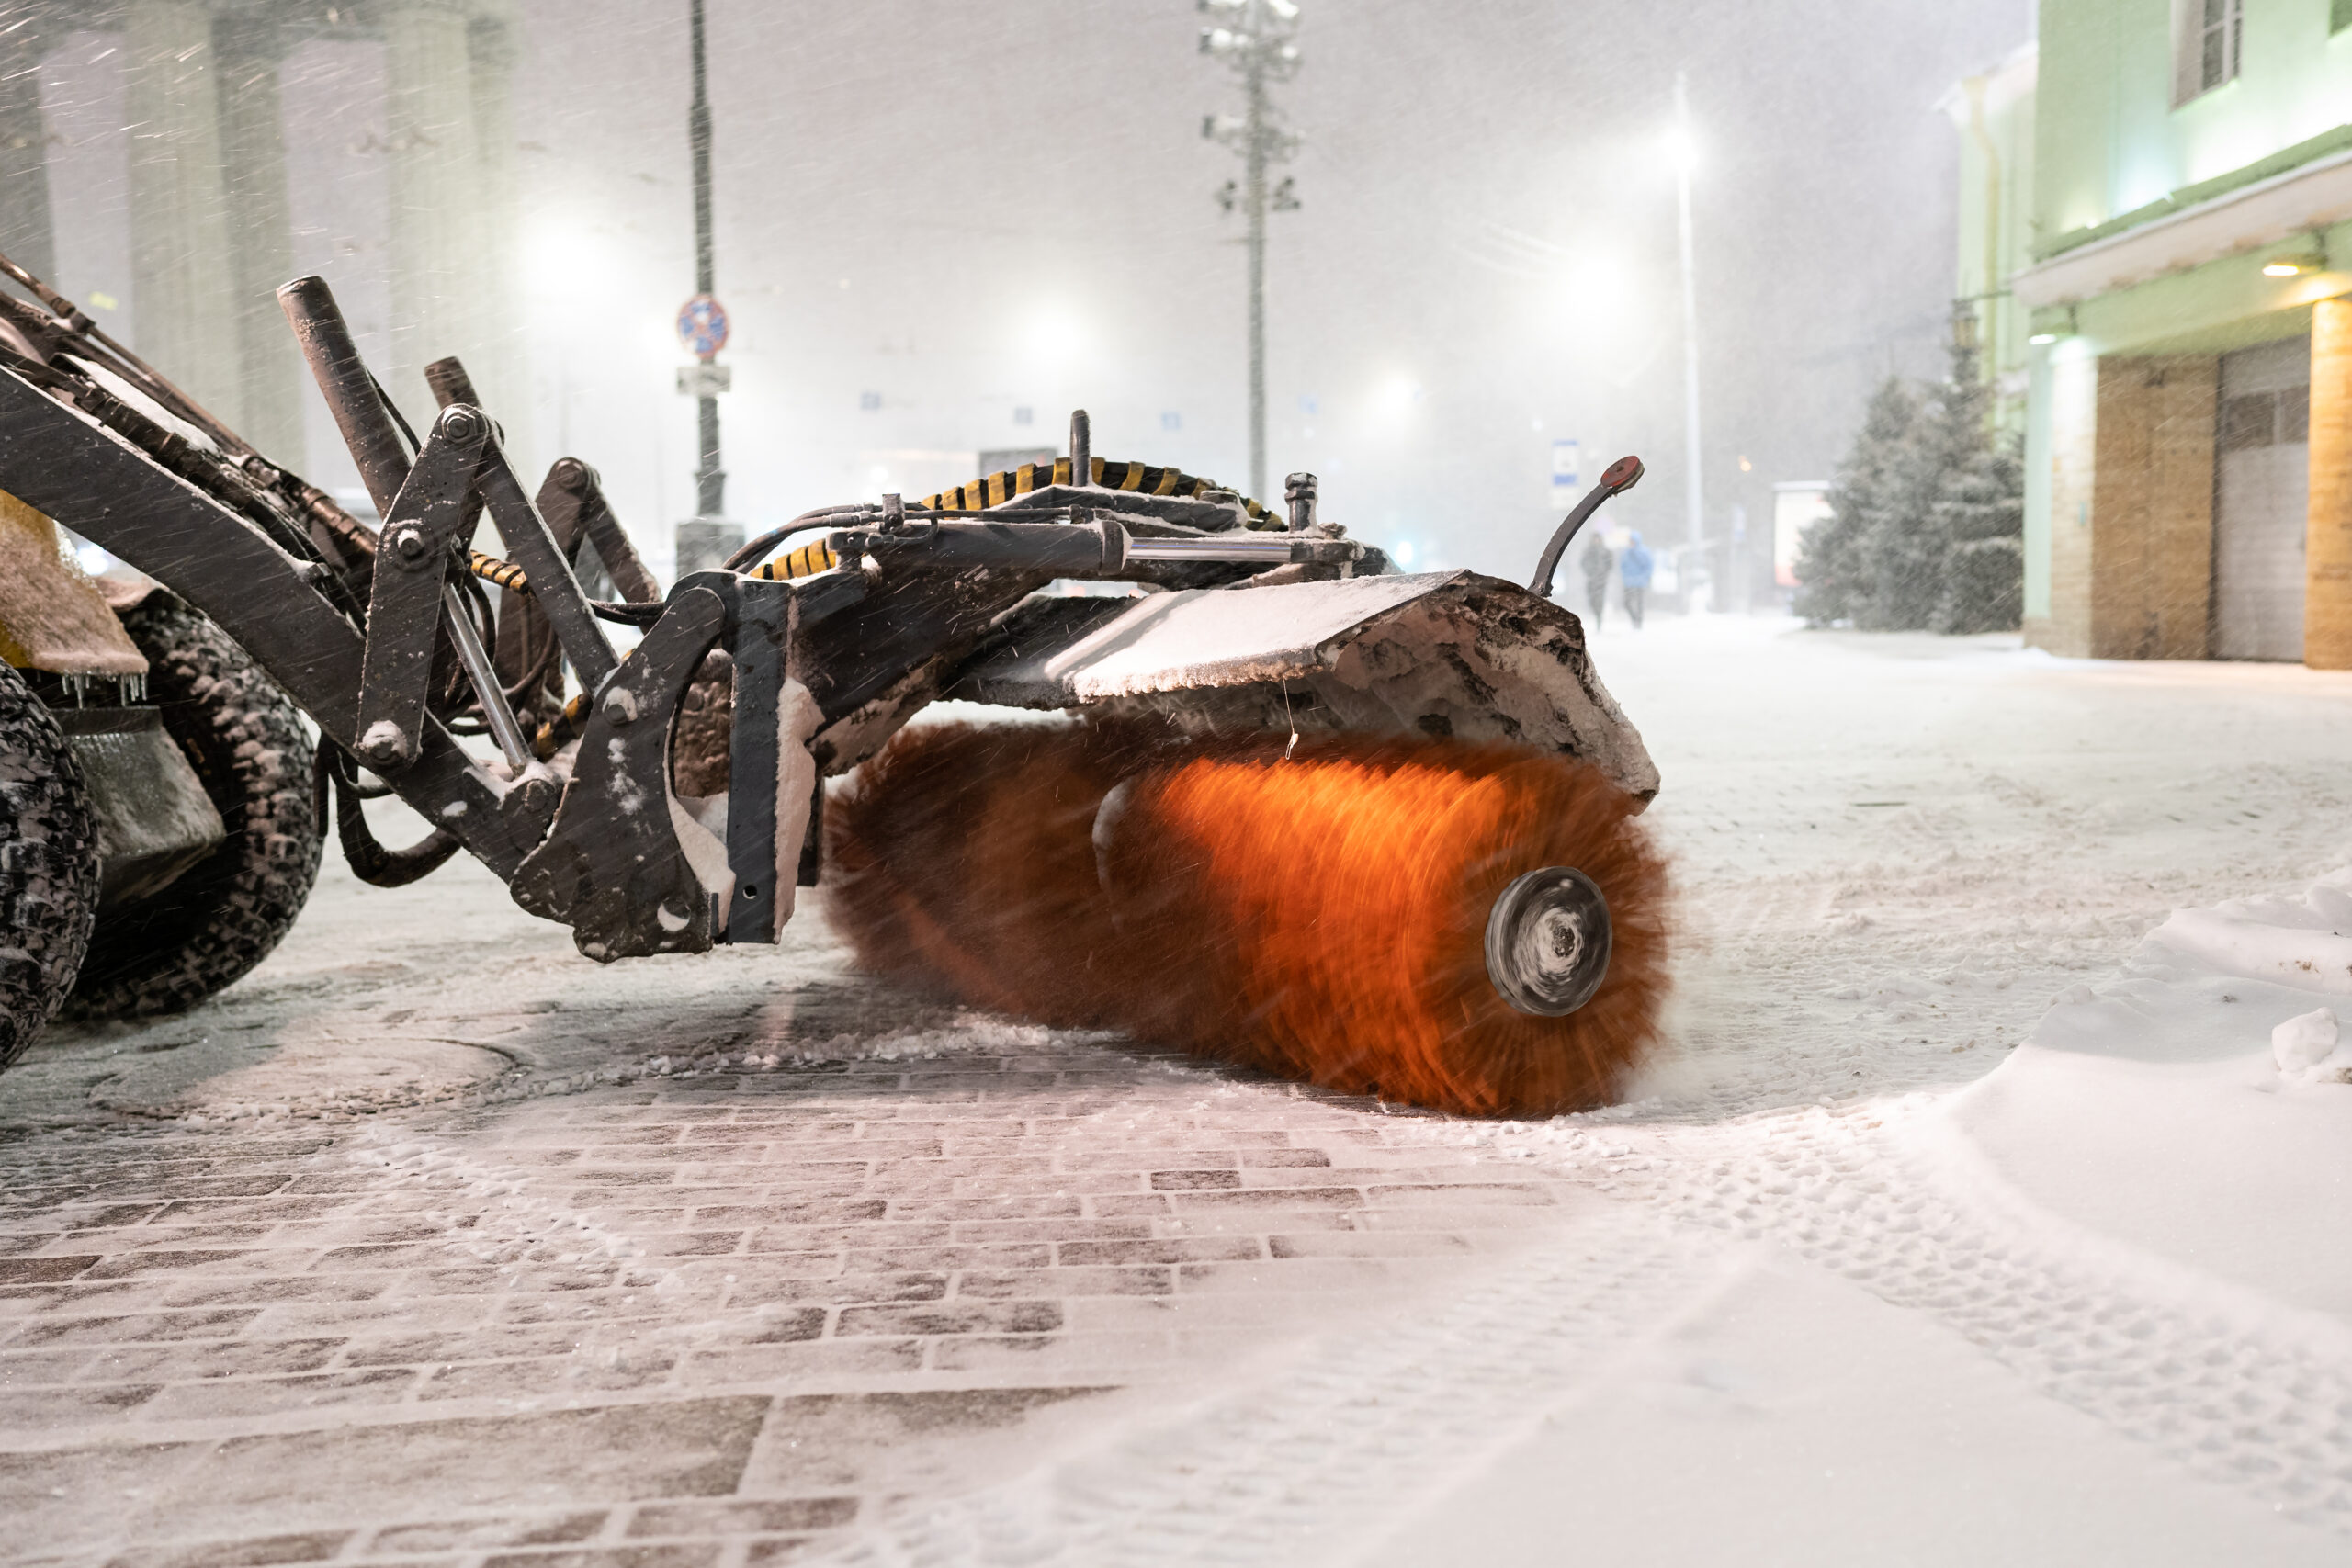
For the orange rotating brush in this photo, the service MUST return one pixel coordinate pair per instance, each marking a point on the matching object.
(1471, 928)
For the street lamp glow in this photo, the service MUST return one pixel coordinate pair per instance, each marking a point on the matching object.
(1683, 150)
(1596, 290)
(2310, 255)
(1053, 335)
(574, 265)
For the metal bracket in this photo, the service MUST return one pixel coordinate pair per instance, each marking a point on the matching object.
(761, 618)
(572, 504)
(412, 559)
(554, 590)
(462, 465)
(760, 640)
(572, 501)
(611, 868)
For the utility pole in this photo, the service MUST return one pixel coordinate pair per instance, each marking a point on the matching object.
(1255, 36)
(710, 479)
(1694, 478)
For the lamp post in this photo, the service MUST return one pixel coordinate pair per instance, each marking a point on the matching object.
(702, 327)
(1254, 37)
(1694, 477)
(710, 479)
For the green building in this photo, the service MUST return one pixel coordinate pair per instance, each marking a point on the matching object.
(2156, 224)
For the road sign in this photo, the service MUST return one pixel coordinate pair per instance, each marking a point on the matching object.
(705, 380)
(1797, 504)
(1566, 467)
(702, 326)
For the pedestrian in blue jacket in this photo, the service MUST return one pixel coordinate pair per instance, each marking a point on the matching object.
(1633, 569)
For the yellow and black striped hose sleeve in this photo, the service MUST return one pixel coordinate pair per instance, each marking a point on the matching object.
(995, 489)
(504, 573)
(807, 561)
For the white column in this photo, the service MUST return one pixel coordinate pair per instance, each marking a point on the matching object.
(2327, 553)
(182, 297)
(500, 364)
(25, 231)
(436, 195)
(261, 234)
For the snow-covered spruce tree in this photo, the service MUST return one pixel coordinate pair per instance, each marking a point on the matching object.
(1834, 582)
(1984, 516)
(1908, 554)
(1927, 530)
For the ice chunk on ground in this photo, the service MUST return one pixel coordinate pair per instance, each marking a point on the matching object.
(2304, 1040)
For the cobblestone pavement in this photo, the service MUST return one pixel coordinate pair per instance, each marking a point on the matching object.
(707, 1317)
(431, 1242)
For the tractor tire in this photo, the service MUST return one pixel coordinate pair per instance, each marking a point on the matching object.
(49, 866)
(246, 741)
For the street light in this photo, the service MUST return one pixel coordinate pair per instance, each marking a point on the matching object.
(702, 328)
(1254, 37)
(2311, 255)
(1683, 149)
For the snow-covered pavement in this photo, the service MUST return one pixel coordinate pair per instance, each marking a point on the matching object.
(1969, 1217)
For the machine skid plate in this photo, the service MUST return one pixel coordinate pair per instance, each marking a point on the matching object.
(1439, 654)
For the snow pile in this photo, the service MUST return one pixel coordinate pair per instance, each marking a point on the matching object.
(2196, 1110)
(2297, 941)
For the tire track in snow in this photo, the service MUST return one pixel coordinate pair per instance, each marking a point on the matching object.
(1342, 1440)
(2240, 1396)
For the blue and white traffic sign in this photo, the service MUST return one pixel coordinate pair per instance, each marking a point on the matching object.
(1567, 462)
(702, 326)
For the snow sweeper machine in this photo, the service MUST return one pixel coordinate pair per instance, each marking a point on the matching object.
(1302, 813)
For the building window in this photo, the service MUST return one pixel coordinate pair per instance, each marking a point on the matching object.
(2218, 56)
(2205, 38)
(2248, 420)
(2266, 419)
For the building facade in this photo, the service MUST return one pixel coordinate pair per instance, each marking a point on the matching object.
(2156, 218)
(1993, 117)
(211, 223)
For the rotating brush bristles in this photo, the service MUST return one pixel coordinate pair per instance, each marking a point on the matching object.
(1322, 916)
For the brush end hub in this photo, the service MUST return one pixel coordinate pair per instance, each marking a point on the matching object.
(1547, 942)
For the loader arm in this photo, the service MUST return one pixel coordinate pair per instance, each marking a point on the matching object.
(61, 461)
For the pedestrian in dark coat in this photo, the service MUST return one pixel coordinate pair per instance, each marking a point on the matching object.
(1598, 564)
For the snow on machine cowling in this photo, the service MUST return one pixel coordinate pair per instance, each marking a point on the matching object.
(1477, 929)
